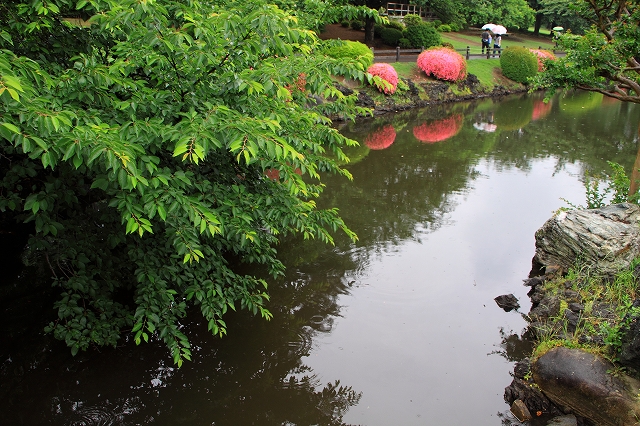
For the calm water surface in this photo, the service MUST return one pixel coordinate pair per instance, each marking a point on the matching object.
(399, 328)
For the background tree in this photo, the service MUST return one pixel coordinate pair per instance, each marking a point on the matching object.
(513, 14)
(138, 146)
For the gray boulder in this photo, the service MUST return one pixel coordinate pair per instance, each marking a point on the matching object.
(607, 238)
(583, 382)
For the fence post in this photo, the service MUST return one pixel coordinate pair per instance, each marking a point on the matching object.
(398, 54)
(488, 53)
(467, 53)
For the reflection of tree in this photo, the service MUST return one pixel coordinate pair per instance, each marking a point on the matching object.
(514, 113)
(255, 375)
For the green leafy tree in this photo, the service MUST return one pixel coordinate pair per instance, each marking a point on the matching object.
(604, 60)
(158, 147)
(513, 14)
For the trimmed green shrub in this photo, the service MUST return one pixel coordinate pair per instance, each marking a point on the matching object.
(444, 28)
(410, 20)
(436, 23)
(395, 24)
(391, 36)
(423, 35)
(345, 23)
(455, 27)
(344, 49)
(518, 64)
(404, 43)
(448, 45)
(357, 25)
(377, 30)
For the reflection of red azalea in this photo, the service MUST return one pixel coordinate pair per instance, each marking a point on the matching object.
(438, 130)
(540, 109)
(381, 138)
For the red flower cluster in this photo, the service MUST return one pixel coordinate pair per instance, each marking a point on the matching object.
(388, 74)
(381, 138)
(443, 63)
(542, 55)
(540, 109)
(438, 130)
(300, 84)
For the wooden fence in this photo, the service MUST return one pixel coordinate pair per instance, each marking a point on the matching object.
(410, 55)
(402, 9)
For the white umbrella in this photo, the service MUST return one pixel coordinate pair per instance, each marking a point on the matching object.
(498, 30)
(489, 27)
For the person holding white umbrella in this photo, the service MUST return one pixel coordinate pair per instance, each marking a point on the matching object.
(497, 42)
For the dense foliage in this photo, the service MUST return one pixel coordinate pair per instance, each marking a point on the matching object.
(519, 64)
(137, 145)
(443, 63)
(386, 73)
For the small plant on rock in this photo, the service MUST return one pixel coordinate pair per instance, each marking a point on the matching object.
(443, 63)
(386, 73)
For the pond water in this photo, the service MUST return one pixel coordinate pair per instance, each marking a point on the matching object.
(399, 328)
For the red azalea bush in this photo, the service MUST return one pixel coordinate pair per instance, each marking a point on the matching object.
(381, 138)
(438, 130)
(541, 56)
(388, 74)
(443, 63)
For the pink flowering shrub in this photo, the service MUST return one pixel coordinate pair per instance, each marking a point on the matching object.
(381, 138)
(443, 63)
(388, 74)
(438, 130)
(541, 56)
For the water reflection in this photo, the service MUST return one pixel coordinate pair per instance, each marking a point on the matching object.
(393, 329)
(381, 138)
(439, 130)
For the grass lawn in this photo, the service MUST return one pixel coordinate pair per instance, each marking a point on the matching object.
(484, 69)
(487, 71)
(462, 40)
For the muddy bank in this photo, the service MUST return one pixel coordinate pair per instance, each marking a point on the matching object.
(422, 92)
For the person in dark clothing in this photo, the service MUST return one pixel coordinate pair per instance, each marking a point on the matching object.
(486, 40)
